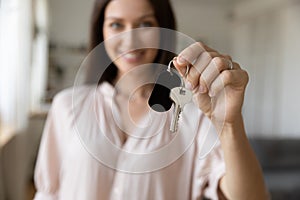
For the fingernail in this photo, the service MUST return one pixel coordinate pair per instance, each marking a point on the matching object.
(189, 86)
(180, 60)
(202, 89)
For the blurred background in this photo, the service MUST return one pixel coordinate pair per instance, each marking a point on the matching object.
(42, 44)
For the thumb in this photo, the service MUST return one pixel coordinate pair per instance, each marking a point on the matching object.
(203, 101)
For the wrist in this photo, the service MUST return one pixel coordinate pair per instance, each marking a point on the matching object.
(233, 129)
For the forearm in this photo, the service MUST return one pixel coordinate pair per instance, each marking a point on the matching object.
(244, 178)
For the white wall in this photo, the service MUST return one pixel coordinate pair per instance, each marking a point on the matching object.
(69, 21)
(266, 44)
(208, 21)
(290, 95)
(69, 29)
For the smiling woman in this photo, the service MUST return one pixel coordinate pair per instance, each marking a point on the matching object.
(102, 141)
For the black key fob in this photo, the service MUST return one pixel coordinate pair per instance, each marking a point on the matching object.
(159, 99)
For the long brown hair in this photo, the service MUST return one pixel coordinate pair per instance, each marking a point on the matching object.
(166, 19)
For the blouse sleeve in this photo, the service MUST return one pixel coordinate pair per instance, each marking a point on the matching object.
(210, 167)
(47, 170)
(217, 166)
(207, 175)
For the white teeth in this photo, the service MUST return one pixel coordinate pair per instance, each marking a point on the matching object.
(131, 55)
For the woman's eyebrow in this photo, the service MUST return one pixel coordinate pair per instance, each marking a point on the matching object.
(120, 18)
(147, 15)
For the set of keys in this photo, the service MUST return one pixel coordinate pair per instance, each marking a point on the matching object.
(169, 89)
(180, 96)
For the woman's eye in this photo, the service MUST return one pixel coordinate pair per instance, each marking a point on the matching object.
(146, 24)
(116, 25)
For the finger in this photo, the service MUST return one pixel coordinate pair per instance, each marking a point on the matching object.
(211, 72)
(202, 62)
(227, 57)
(236, 78)
(190, 54)
(236, 66)
(207, 48)
(180, 68)
(203, 101)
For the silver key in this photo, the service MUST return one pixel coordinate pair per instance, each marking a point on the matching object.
(180, 96)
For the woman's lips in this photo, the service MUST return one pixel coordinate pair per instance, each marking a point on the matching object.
(133, 56)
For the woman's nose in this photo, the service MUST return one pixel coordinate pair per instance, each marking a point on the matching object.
(131, 39)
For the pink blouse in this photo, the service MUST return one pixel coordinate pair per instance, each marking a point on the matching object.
(77, 157)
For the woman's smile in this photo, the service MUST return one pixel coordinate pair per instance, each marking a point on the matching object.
(133, 57)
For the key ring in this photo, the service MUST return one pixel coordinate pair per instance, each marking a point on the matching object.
(182, 91)
(171, 71)
(169, 67)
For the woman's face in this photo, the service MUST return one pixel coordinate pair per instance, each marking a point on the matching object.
(122, 16)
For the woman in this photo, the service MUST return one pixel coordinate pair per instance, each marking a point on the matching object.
(66, 169)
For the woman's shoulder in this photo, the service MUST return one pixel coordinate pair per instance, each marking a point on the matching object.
(66, 97)
(76, 96)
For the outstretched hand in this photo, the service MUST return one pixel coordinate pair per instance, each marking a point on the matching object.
(217, 82)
